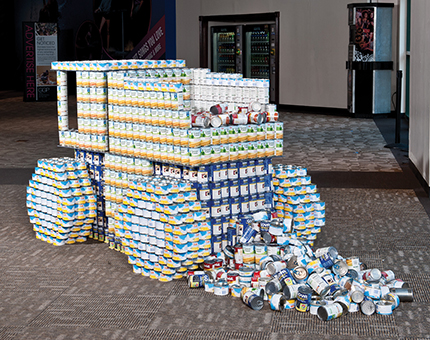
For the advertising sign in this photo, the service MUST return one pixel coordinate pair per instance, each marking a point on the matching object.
(364, 34)
(40, 49)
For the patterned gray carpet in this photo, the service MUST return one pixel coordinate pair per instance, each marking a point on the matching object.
(86, 291)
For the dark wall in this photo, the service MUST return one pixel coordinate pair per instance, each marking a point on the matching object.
(8, 57)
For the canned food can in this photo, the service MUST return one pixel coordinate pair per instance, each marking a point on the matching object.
(315, 304)
(384, 307)
(251, 299)
(221, 288)
(199, 120)
(304, 295)
(196, 281)
(278, 302)
(318, 284)
(367, 307)
(330, 312)
(290, 291)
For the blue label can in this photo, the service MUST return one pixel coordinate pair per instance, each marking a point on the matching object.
(216, 226)
(243, 169)
(234, 188)
(243, 187)
(268, 166)
(225, 207)
(215, 208)
(244, 204)
(231, 236)
(225, 221)
(232, 170)
(216, 244)
(261, 186)
(253, 203)
(252, 172)
(204, 192)
(235, 205)
(326, 260)
(252, 182)
(268, 183)
(248, 234)
(203, 174)
(225, 190)
(259, 168)
(216, 172)
(215, 190)
(303, 301)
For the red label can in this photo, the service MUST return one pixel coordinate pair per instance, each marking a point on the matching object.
(232, 278)
(239, 119)
(199, 120)
(218, 263)
(256, 118)
(271, 117)
(238, 254)
(209, 264)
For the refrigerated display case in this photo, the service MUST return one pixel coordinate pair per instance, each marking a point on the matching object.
(257, 51)
(223, 49)
(247, 44)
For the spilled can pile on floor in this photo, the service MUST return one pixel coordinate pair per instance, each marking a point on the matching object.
(293, 276)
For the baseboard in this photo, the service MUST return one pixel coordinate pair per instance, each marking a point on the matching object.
(420, 178)
(333, 111)
(315, 109)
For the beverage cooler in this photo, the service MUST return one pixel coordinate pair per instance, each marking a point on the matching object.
(247, 49)
(256, 51)
(223, 50)
(244, 43)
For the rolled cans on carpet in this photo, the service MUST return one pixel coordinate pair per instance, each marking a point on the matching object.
(293, 276)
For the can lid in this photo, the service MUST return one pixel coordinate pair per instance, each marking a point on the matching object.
(256, 302)
(299, 273)
(357, 296)
(272, 287)
(215, 121)
(367, 307)
(255, 106)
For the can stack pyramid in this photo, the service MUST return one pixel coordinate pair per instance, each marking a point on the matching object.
(61, 201)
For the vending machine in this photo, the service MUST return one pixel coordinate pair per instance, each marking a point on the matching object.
(251, 50)
(256, 51)
(223, 49)
(369, 62)
(242, 43)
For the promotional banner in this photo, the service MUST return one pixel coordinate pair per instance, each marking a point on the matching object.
(364, 34)
(153, 45)
(40, 49)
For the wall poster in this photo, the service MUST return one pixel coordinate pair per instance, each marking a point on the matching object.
(364, 34)
(40, 49)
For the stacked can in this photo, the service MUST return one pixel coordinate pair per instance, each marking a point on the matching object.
(296, 199)
(321, 282)
(62, 103)
(61, 201)
(149, 117)
(210, 88)
(95, 166)
(228, 191)
(119, 170)
(124, 64)
(162, 227)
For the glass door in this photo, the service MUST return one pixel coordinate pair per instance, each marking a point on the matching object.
(257, 49)
(223, 55)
